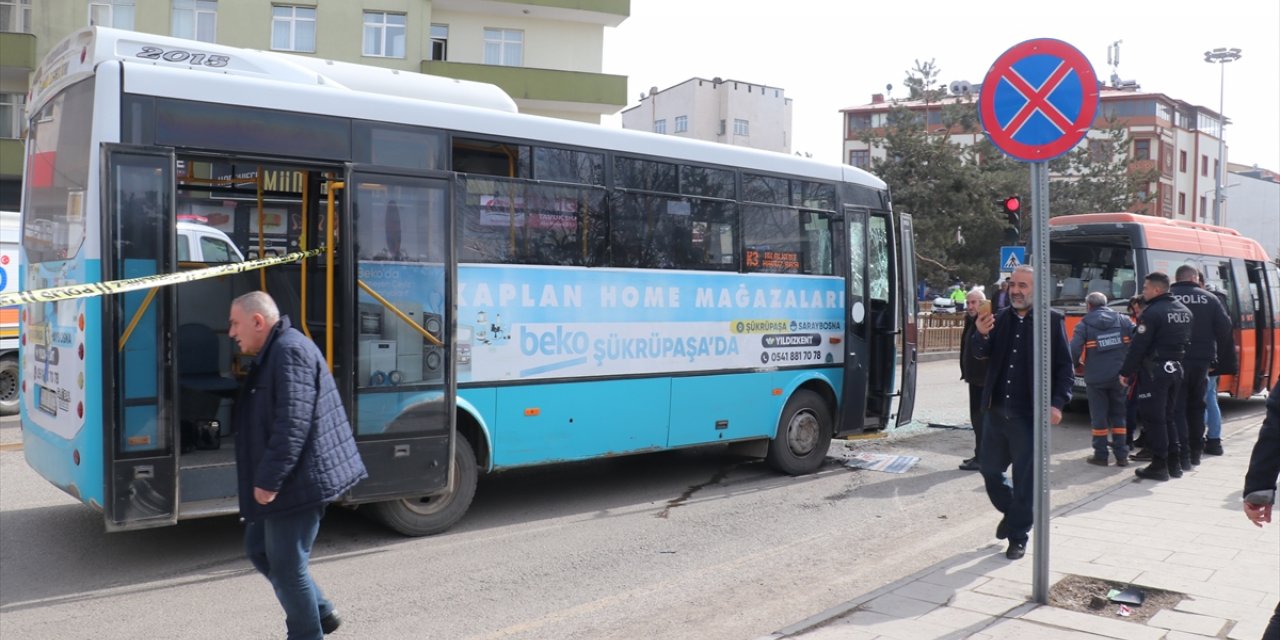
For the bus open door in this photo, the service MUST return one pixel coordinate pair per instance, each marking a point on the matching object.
(141, 445)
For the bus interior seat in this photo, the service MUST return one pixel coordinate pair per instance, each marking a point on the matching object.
(1128, 288)
(200, 376)
(1099, 285)
(1072, 289)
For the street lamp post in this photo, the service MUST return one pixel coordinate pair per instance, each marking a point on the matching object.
(1220, 56)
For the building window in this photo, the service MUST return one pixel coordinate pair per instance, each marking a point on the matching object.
(112, 13)
(860, 158)
(15, 16)
(384, 34)
(1182, 203)
(1182, 161)
(195, 20)
(293, 29)
(11, 114)
(504, 47)
(1204, 207)
(439, 42)
(682, 124)
(1204, 165)
(1141, 149)
(1216, 169)
(741, 127)
(660, 126)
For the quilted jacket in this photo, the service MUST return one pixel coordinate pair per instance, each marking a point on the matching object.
(292, 434)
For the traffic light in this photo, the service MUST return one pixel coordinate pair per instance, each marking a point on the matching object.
(1012, 207)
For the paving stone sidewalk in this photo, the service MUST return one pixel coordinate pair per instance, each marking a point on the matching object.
(1187, 535)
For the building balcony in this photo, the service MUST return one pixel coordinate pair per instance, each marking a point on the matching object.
(607, 13)
(18, 51)
(543, 89)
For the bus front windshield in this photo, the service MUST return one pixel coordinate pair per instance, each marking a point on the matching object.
(58, 154)
(1080, 266)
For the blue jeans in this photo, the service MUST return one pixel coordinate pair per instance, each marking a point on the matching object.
(1005, 441)
(1212, 414)
(280, 548)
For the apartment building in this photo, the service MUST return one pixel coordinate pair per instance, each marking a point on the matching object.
(728, 111)
(1175, 137)
(546, 54)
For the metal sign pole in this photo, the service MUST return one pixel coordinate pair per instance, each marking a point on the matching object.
(1043, 390)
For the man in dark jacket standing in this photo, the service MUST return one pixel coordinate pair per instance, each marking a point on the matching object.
(974, 372)
(1102, 337)
(1260, 482)
(1007, 342)
(294, 454)
(1155, 358)
(1210, 342)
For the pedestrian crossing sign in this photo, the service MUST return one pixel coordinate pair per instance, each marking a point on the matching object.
(1012, 257)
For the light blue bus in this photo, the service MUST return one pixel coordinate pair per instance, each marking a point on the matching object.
(494, 290)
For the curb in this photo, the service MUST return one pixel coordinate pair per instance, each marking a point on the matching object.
(840, 610)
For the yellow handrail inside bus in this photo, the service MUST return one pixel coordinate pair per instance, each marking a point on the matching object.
(328, 275)
(403, 316)
(137, 315)
(302, 246)
(262, 275)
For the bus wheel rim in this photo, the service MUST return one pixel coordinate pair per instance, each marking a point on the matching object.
(431, 505)
(802, 433)
(8, 387)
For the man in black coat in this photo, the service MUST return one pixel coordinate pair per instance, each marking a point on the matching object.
(1260, 482)
(974, 372)
(1007, 342)
(295, 454)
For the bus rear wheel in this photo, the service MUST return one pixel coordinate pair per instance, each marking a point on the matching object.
(804, 435)
(9, 385)
(429, 515)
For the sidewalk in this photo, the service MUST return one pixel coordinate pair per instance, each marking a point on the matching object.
(1187, 535)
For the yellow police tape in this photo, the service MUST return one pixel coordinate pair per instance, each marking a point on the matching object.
(91, 289)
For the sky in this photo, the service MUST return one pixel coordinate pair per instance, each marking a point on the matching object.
(833, 54)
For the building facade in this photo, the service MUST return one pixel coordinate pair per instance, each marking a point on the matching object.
(727, 111)
(1178, 139)
(1254, 194)
(546, 54)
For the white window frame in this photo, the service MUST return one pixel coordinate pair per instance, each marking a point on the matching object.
(660, 126)
(682, 124)
(380, 34)
(116, 16)
(19, 12)
(202, 12)
(439, 34)
(741, 127)
(16, 102)
(510, 47)
(293, 20)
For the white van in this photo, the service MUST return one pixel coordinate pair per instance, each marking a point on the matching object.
(202, 243)
(10, 239)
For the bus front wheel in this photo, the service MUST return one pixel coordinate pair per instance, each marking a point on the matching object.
(804, 435)
(429, 515)
(9, 385)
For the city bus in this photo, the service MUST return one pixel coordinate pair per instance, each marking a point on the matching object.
(491, 290)
(1112, 252)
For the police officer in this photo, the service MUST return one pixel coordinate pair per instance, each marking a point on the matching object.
(1210, 341)
(1155, 355)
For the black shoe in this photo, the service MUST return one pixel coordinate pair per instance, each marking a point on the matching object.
(330, 623)
(1174, 466)
(1213, 446)
(1195, 460)
(970, 465)
(1142, 454)
(1157, 470)
(1099, 461)
(1016, 550)
(1122, 461)
(1002, 529)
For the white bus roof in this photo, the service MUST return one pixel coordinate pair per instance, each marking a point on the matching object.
(79, 53)
(279, 81)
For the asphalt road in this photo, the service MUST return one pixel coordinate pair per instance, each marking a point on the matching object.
(690, 544)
